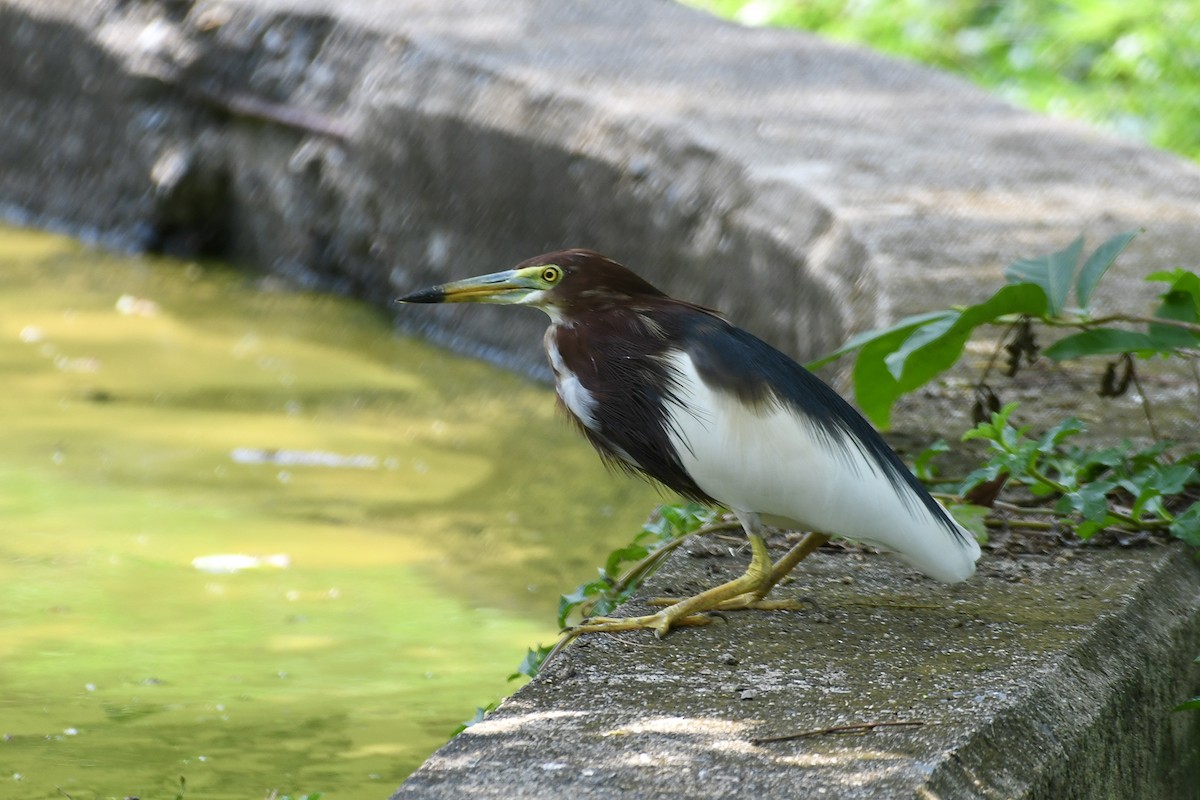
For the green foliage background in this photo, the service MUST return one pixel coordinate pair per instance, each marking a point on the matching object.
(1129, 67)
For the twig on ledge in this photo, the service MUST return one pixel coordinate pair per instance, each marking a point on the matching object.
(857, 728)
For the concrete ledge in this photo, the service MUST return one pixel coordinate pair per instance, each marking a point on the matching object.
(362, 148)
(1048, 678)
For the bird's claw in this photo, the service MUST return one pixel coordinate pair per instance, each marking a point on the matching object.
(661, 623)
(747, 601)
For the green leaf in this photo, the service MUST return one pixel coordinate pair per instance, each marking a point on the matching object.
(1052, 272)
(1174, 479)
(1186, 526)
(920, 347)
(1058, 434)
(935, 346)
(971, 517)
(1178, 305)
(582, 593)
(874, 387)
(897, 332)
(1104, 341)
(1181, 280)
(480, 714)
(992, 429)
(1098, 263)
(1147, 501)
(616, 558)
(1089, 528)
(927, 333)
(983, 474)
(1188, 705)
(532, 662)
(1093, 499)
(687, 517)
(923, 464)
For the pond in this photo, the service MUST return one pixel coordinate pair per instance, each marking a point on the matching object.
(252, 539)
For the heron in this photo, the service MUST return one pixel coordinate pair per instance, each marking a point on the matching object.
(671, 391)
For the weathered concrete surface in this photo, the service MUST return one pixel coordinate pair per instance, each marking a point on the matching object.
(805, 188)
(373, 145)
(1040, 678)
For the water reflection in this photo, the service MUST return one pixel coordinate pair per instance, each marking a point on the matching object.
(160, 413)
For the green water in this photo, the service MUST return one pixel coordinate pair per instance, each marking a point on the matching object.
(426, 555)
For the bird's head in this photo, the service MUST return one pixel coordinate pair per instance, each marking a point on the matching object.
(563, 283)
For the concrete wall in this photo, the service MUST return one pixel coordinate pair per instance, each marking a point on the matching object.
(804, 188)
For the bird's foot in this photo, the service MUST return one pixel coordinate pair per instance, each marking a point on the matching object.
(754, 582)
(750, 601)
(661, 623)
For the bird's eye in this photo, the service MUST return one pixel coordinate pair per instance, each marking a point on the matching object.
(551, 274)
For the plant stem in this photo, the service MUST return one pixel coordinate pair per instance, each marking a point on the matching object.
(1133, 319)
(857, 727)
(1137, 382)
(1013, 508)
(1196, 374)
(987, 370)
(1061, 488)
(1026, 524)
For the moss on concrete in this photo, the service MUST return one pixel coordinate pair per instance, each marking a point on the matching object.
(1036, 670)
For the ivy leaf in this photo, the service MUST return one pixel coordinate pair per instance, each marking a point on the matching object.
(1148, 500)
(992, 429)
(532, 662)
(1095, 499)
(988, 472)
(1174, 479)
(1186, 526)
(1188, 705)
(1052, 272)
(1089, 465)
(481, 713)
(568, 602)
(1098, 263)
(1089, 528)
(1058, 434)
(923, 464)
(971, 517)
(632, 552)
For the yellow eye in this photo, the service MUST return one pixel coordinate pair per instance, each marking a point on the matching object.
(551, 274)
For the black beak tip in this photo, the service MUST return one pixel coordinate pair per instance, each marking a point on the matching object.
(433, 294)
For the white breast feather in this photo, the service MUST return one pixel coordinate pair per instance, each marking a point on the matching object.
(573, 393)
(772, 461)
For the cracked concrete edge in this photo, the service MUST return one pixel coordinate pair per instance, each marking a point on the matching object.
(1115, 688)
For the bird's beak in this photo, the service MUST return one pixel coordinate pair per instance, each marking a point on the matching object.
(510, 286)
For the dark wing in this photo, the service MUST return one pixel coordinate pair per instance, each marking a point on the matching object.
(618, 359)
(732, 360)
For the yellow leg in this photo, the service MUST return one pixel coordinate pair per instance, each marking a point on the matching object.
(689, 611)
(803, 549)
(754, 599)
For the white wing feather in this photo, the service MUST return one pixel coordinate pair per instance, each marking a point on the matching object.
(770, 460)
